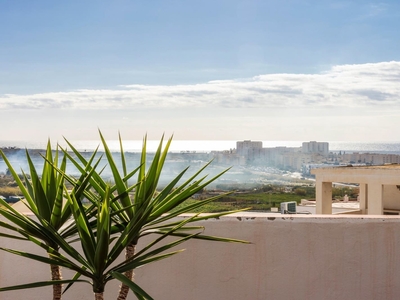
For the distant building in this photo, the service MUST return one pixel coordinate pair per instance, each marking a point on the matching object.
(316, 147)
(302, 158)
(247, 147)
(289, 158)
(369, 158)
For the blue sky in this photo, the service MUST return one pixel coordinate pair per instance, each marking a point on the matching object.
(265, 70)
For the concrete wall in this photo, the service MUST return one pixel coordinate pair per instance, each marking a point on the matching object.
(391, 197)
(292, 257)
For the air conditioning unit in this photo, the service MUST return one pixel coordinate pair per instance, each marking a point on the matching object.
(288, 207)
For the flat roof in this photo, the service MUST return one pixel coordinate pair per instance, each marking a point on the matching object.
(385, 174)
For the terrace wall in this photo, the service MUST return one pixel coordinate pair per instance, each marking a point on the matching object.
(291, 257)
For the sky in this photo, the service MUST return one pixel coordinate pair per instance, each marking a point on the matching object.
(200, 70)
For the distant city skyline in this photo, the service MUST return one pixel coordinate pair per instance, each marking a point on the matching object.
(209, 70)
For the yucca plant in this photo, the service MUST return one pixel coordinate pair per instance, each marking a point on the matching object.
(98, 264)
(44, 196)
(147, 208)
(117, 220)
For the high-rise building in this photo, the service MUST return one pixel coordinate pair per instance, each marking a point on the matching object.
(316, 147)
(246, 147)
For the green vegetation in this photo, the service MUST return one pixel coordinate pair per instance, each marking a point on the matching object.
(340, 192)
(252, 196)
(119, 213)
(44, 198)
(261, 198)
(118, 216)
(7, 191)
(8, 186)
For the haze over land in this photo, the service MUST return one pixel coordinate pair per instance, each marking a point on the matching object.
(208, 70)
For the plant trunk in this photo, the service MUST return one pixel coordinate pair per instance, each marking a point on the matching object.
(56, 275)
(124, 289)
(98, 296)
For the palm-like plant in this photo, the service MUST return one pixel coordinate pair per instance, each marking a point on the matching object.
(148, 209)
(44, 198)
(129, 216)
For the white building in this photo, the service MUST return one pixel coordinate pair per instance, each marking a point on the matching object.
(315, 147)
(246, 147)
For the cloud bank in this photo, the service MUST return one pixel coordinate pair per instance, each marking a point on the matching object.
(361, 85)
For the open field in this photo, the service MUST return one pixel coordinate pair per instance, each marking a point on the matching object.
(261, 199)
(252, 196)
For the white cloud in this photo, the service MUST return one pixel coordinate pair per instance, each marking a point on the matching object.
(362, 85)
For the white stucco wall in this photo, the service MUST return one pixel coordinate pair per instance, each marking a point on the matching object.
(391, 197)
(292, 257)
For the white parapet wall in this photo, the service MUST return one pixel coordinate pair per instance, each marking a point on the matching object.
(291, 257)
